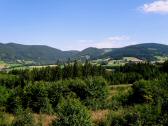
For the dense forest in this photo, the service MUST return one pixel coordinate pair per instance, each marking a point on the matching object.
(70, 93)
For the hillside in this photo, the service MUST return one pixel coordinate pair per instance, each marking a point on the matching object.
(146, 51)
(92, 53)
(13, 52)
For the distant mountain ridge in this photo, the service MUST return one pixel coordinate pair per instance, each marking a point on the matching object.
(12, 52)
(146, 51)
(38, 53)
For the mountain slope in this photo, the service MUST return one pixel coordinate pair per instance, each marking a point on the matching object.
(92, 53)
(38, 53)
(12, 52)
(146, 51)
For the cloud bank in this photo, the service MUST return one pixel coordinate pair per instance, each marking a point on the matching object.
(113, 42)
(109, 42)
(159, 6)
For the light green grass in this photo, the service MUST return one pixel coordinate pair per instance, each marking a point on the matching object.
(161, 58)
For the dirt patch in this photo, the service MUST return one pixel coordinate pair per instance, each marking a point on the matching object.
(44, 119)
(99, 115)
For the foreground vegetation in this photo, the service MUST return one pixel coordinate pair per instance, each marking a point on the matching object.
(85, 95)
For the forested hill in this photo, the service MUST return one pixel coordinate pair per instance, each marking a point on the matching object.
(12, 52)
(146, 51)
(38, 53)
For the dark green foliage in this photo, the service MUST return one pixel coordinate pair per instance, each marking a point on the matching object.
(164, 67)
(149, 91)
(131, 73)
(12, 52)
(123, 78)
(40, 54)
(79, 87)
(35, 96)
(146, 51)
(91, 53)
(97, 87)
(92, 91)
(72, 113)
(14, 102)
(56, 91)
(146, 70)
(121, 99)
(4, 95)
(11, 81)
(58, 73)
(68, 90)
(98, 90)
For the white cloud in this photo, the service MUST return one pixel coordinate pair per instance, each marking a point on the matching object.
(109, 42)
(159, 6)
(113, 42)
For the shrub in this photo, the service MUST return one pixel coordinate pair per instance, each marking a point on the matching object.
(141, 92)
(36, 97)
(46, 107)
(79, 87)
(56, 91)
(4, 95)
(13, 102)
(145, 115)
(121, 97)
(24, 118)
(97, 92)
(11, 81)
(72, 113)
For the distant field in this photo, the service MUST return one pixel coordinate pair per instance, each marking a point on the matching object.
(161, 59)
(105, 62)
(120, 62)
(28, 67)
(2, 64)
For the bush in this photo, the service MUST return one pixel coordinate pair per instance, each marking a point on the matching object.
(121, 97)
(72, 113)
(141, 92)
(36, 97)
(56, 91)
(139, 115)
(97, 92)
(92, 91)
(24, 118)
(11, 81)
(13, 103)
(79, 87)
(4, 95)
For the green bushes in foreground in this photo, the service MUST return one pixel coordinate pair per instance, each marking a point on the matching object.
(146, 106)
(24, 118)
(71, 112)
(45, 96)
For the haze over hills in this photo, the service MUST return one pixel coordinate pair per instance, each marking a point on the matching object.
(12, 52)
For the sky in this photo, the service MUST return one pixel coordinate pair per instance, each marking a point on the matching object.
(78, 24)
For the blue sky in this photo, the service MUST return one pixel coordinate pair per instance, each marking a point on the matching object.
(78, 24)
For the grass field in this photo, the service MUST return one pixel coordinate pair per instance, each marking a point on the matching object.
(119, 62)
(161, 59)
